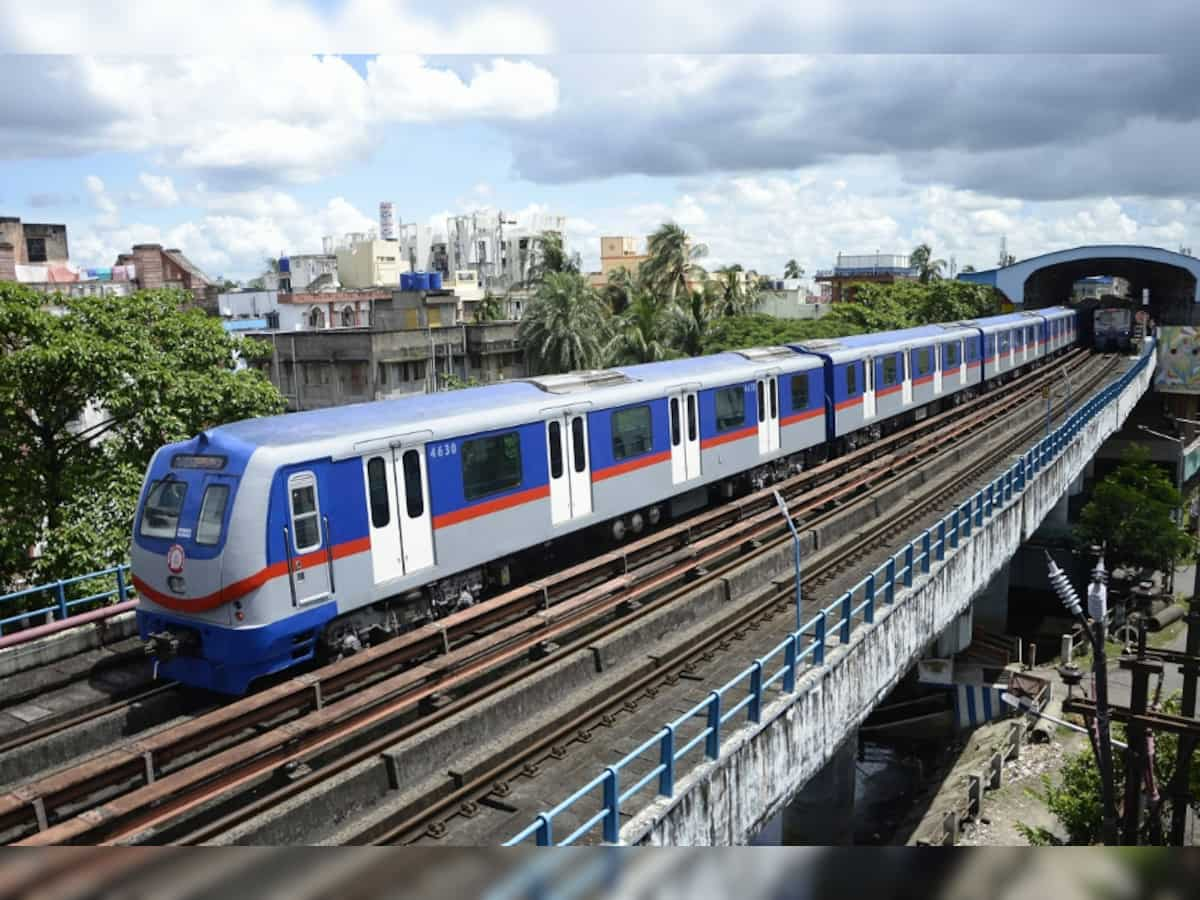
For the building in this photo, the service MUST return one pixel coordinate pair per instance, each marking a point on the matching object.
(366, 261)
(872, 268)
(1095, 287)
(154, 267)
(292, 311)
(789, 298)
(307, 272)
(616, 253)
(505, 254)
(33, 243)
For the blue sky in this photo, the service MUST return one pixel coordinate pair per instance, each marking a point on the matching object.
(514, 105)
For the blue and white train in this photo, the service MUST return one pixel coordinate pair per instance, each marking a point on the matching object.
(261, 543)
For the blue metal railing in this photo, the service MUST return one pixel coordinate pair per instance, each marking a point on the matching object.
(743, 694)
(61, 607)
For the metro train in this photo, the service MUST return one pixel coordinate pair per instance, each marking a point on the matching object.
(1112, 328)
(262, 543)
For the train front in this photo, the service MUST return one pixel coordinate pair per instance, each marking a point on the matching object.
(198, 541)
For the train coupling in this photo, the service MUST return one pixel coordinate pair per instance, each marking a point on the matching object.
(164, 646)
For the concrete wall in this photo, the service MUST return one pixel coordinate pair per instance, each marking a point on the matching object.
(728, 800)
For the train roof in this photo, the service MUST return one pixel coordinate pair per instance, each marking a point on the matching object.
(852, 346)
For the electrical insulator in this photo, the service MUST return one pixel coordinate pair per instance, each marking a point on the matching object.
(1063, 587)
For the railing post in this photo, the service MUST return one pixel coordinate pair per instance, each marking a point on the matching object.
(789, 670)
(819, 640)
(979, 509)
(966, 519)
(545, 837)
(612, 806)
(61, 590)
(991, 490)
(908, 565)
(844, 628)
(925, 552)
(889, 589)
(666, 758)
(941, 540)
(755, 711)
(954, 528)
(713, 744)
(120, 584)
(869, 608)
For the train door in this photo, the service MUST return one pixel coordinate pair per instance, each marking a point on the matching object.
(937, 369)
(962, 362)
(768, 414)
(412, 507)
(1012, 349)
(387, 557)
(868, 388)
(906, 364)
(309, 552)
(683, 416)
(570, 468)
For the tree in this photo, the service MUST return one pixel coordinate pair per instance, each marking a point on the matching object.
(691, 320)
(928, 268)
(793, 269)
(489, 309)
(672, 261)
(968, 268)
(551, 257)
(88, 391)
(565, 326)
(642, 333)
(1132, 513)
(620, 290)
(735, 298)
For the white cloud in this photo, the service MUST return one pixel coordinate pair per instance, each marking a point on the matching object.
(101, 201)
(160, 189)
(255, 117)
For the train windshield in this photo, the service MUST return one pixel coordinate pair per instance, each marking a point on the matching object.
(160, 516)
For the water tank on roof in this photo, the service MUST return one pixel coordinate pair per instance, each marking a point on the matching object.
(435, 281)
(422, 280)
(406, 281)
(285, 265)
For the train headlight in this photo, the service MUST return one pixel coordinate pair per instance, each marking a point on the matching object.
(176, 583)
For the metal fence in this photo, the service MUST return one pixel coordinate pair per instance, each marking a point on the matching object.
(742, 695)
(57, 593)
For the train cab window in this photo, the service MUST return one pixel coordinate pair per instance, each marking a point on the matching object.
(160, 516)
(889, 370)
(851, 379)
(631, 435)
(414, 495)
(556, 452)
(675, 436)
(731, 407)
(377, 492)
(212, 514)
(306, 513)
(800, 391)
(491, 464)
(577, 444)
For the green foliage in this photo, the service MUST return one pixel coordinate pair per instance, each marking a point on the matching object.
(565, 326)
(455, 382)
(908, 303)
(1131, 512)
(793, 269)
(735, 298)
(139, 371)
(553, 257)
(928, 268)
(672, 261)
(489, 309)
(758, 330)
(643, 333)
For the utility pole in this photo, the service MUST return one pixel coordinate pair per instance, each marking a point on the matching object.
(1137, 757)
(1187, 744)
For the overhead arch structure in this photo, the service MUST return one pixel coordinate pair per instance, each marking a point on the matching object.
(1173, 279)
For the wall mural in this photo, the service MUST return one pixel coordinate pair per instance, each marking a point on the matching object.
(1178, 369)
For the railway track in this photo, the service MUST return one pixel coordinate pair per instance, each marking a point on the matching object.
(150, 783)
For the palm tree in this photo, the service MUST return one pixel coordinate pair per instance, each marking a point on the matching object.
(928, 268)
(691, 319)
(551, 256)
(489, 308)
(642, 332)
(565, 325)
(620, 290)
(672, 260)
(737, 297)
(793, 269)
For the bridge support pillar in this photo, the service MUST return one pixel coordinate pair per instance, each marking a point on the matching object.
(957, 635)
(823, 811)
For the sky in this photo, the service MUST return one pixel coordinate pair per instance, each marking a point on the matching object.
(240, 131)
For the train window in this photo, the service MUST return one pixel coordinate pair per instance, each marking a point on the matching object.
(414, 496)
(160, 515)
(212, 514)
(924, 363)
(774, 398)
(889, 370)
(674, 421)
(491, 464)
(577, 444)
(691, 413)
(306, 514)
(731, 407)
(631, 432)
(377, 491)
(851, 379)
(800, 391)
(762, 401)
(949, 355)
(556, 454)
